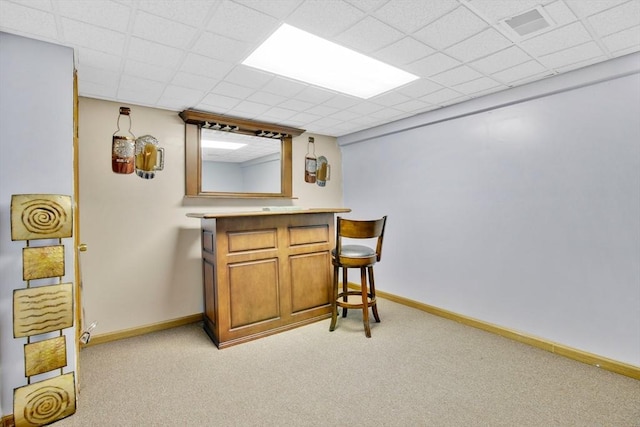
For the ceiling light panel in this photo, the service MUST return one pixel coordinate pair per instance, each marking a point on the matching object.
(302, 56)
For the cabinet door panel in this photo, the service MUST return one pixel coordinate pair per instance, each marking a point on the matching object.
(310, 281)
(253, 292)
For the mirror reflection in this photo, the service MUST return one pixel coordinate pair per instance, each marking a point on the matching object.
(238, 163)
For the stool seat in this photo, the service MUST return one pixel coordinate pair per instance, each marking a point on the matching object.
(355, 251)
(356, 256)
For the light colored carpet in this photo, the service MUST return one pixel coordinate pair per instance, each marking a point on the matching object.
(416, 370)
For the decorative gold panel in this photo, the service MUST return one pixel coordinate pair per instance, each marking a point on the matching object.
(42, 262)
(45, 402)
(41, 216)
(45, 356)
(42, 309)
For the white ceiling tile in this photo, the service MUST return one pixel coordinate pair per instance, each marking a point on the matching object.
(419, 88)
(560, 13)
(365, 108)
(345, 115)
(44, 5)
(203, 66)
(97, 59)
(218, 102)
(583, 8)
(501, 60)
(222, 48)
(278, 9)
(433, 64)
(559, 39)
(190, 12)
(342, 101)
(27, 19)
(193, 81)
(316, 18)
(266, 98)
(248, 77)
(451, 28)
(581, 64)
(455, 100)
(413, 105)
(572, 55)
(104, 13)
(368, 35)
(162, 30)
(233, 90)
(620, 17)
(154, 53)
(322, 110)
(520, 72)
(101, 39)
(141, 69)
(456, 76)
(482, 44)
(629, 38)
(296, 104)
(140, 91)
(390, 98)
(386, 113)
(411, 15)
(326, 122)
(496, 10)
(251, 108)
(283, 86)
(442, 96)
(101, 76)
(367, 5)
(403, 51)
(314, 94)
(478, 85)
(278, 113)
(241, 23)
(303, 118)
(181, 97)
(96, 90)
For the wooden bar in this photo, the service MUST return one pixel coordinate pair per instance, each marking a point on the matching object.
(265, 272)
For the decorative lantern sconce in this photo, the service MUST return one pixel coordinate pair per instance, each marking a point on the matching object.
(129, 153)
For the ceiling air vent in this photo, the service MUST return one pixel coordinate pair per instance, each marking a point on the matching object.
(529, 22)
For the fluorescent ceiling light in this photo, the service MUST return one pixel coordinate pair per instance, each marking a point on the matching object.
(294, 53)
(224, 145)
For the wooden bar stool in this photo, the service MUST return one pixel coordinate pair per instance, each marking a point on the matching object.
(356, 256)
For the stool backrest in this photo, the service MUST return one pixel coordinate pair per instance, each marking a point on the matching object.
(361, 229)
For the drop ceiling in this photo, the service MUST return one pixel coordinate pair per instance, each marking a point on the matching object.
(178, 55)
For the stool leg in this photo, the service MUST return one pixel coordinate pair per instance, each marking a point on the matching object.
(365, 306)
(372, 290)
(334, 299)
(345, 289)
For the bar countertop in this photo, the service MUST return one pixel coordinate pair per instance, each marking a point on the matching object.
(271, 210)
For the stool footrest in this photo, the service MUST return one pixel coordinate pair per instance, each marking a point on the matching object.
(371, 300)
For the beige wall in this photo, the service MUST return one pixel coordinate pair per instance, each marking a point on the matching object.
(143, 260)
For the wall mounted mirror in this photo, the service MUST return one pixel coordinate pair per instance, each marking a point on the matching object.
(231, 157)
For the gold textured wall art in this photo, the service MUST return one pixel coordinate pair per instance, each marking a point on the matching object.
(44, 402)
(42, 262)
(42, 309)
(45, 356)
(41, 216)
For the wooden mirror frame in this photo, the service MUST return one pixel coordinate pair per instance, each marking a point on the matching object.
(195, 120)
